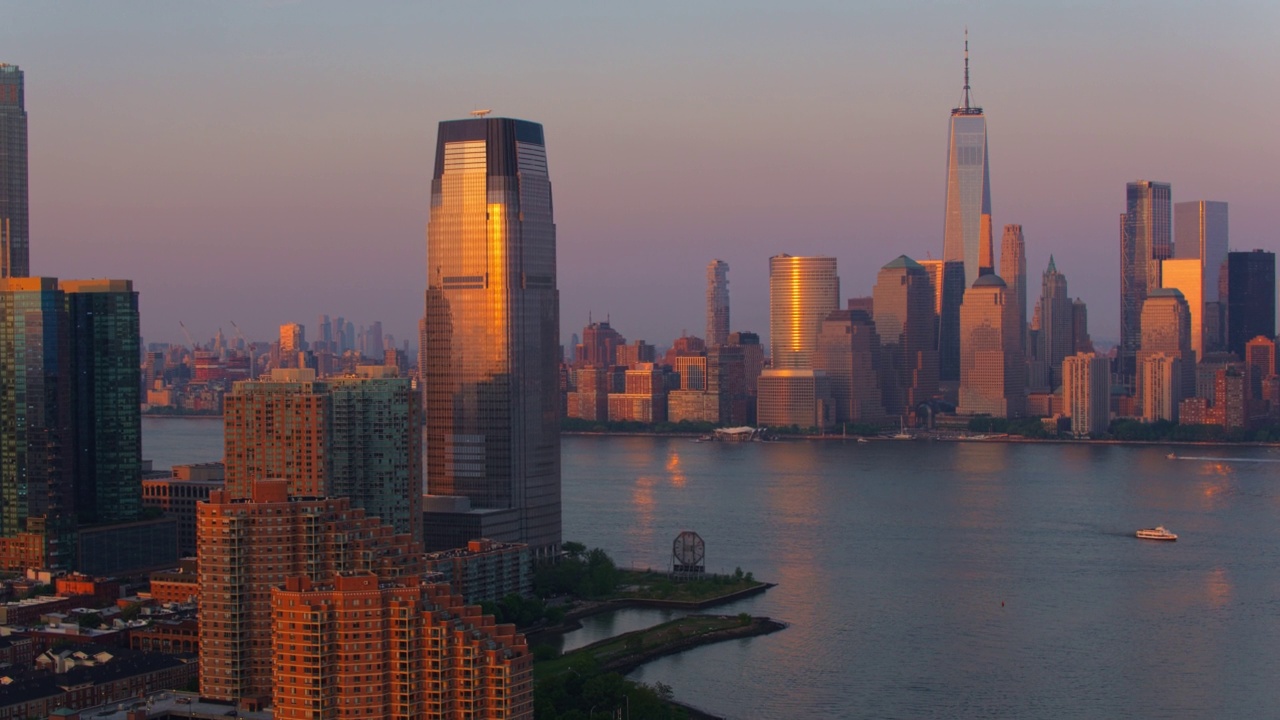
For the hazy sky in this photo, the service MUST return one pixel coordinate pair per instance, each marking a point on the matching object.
(267, 162)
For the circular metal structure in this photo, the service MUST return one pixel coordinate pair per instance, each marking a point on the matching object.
(688, 553)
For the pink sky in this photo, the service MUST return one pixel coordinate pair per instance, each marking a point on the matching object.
(265, 163)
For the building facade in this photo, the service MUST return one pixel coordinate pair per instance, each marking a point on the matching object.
(493, 312)
(1086, 393)
(1146, 238)
(992, 370)
(1013, 270)
(802, 291)
(906, 323)
(717, 303)
(1055, 340)
(1200, 232)
(15, 233)
(1166, 330)
(794, 397)
(849, 353)
(1251, 298)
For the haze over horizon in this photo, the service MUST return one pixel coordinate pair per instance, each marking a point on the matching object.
(265, 163)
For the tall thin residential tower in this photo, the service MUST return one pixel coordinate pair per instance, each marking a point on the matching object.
(493, 314)
(717, 303)
(967, 236)
(14, 231)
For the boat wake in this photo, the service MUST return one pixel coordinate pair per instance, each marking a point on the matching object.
(1225, 459)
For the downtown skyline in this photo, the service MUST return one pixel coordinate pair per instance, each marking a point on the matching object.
(264, 182)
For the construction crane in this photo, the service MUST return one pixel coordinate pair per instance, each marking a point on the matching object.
(190, 340)
(239, 335)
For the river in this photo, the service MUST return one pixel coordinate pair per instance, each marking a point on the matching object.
(931, 579)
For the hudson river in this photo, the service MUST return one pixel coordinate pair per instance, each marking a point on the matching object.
(942, 579)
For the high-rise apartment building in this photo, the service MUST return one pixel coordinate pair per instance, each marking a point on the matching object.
(293, 338)
(1251, 298)
(992, 369)
(1200, 231)
(37, 499)
(15, 234)
(1055, 340)
(354, 436)
(1013, 270)
(1146, 238)
(967, 236)
(717, 303)
(947, 278)
(1086, 393)
(493, 313)
(906, 323)
(802, 291)
(418, 652)
(104, 333)
(1160, 379)
(250, 545)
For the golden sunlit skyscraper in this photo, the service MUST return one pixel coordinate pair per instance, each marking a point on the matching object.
(967, 236)
(802, 291)
(493, 325)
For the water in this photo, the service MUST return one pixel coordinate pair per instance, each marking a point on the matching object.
(951, 580)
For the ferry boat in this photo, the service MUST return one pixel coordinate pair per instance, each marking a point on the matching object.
(1156, 533)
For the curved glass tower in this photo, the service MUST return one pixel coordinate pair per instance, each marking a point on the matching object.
(491, 380)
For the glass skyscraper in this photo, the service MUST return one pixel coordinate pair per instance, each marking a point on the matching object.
(717, 303)
(491, 352)
(14, 232)
(967, 235)
(802, 292)
(1146, 239)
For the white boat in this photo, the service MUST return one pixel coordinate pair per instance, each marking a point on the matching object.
(1172, 456)
(1156, 533)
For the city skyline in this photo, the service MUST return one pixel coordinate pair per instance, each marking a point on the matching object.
(268, 184)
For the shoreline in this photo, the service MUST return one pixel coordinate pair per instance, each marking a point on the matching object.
(877, 439)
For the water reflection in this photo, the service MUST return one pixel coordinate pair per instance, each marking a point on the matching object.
(675, 475)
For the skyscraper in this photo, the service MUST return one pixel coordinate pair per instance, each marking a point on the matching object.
(37, 521)
(1200, 232)
(1146, 238)
(1055, 338)
(14, 229)
(717, 303)
(1013, 270)
(1086, 393)
(906, 324)
(802, 291)
(104, 330)
(1251, 298)
(967, 234)
(992, 370)
(947, 277)
(849, 353)
(1166, 332)
(1187, 276)
(493, 311)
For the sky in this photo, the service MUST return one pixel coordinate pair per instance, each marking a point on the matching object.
(266, 162)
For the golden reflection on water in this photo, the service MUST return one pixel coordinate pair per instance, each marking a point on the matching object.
(673, 469)
(1217, 588)
(645, 507)
(1218, 481)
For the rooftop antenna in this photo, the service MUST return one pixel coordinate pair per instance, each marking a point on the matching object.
(966, 67)
(486, 111)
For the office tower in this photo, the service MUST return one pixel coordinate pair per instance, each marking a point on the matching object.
(37, 500)
(1013, 270)
(422, 653)
(249, 545)
(717, 302)
(590, 397)
(644, 397)
(1187, 276)
(752, 357)
(1200, 232)
(1251, 298)
(849, 353)
(635, 352)
(1055, 339)
(354, 436)
(802, 290)
(684, 346)
(15, 234)
(599, 344)
(375, 446)
(967, 236)
(992, 370)
(727, 383)
(1146, 238)
(790, 397)
(293, 338)
(1086, 393)
(947, 279)
(693, 371)
(1166, 330)
(906, 323)
(493, 405)
(104, 332)
(278, 428)
(325, 333)
(1080, 327)
(1259, 367)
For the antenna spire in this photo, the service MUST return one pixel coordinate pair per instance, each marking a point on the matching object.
(966, 67)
